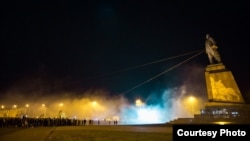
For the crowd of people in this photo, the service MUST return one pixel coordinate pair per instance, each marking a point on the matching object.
(39, 122)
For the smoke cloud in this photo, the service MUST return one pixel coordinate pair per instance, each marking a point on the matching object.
(158, 107)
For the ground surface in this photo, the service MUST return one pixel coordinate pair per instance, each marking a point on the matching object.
(89, 133)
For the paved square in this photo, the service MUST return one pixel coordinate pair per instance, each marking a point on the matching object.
(90, 133)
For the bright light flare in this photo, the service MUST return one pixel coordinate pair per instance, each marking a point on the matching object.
(139, 103)
(94, 103)
(190, 105)
(191, 99)
(14, 106)
(148, 115)
(61, 104)
(222, 122)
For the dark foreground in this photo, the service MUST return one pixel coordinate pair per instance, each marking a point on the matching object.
(89, 133)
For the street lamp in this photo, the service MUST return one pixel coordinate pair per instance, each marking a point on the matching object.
(2, 107)
(191, 100)
(138, 103)
(94, 106)
(44, 112)
(61, 104)
(94, 103)
(27, 109)
(14, 106)
(15, 110)
(60, 110)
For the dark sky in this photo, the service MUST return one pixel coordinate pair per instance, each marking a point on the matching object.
(60, 46)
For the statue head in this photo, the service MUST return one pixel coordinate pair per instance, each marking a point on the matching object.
(207, 36)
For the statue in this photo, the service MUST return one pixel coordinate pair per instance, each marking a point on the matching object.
(211, 50)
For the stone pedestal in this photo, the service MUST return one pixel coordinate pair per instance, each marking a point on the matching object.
(221, 85)
(225, 101)
(226, 110)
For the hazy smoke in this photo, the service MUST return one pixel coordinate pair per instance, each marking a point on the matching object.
(158, 107)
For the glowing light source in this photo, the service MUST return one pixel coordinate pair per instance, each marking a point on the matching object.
(147, 115)
(222, 122)
(139, 103)
(44, 112)
(94, 103)
(116, 118)
(61, 104)
(192, 100)
(14, 106)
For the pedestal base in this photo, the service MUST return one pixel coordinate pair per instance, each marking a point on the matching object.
(224, 112)
(219, 113)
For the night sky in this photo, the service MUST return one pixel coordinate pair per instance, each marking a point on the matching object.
(74, 47)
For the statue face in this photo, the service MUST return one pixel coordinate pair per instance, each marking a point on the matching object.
(207, 36)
